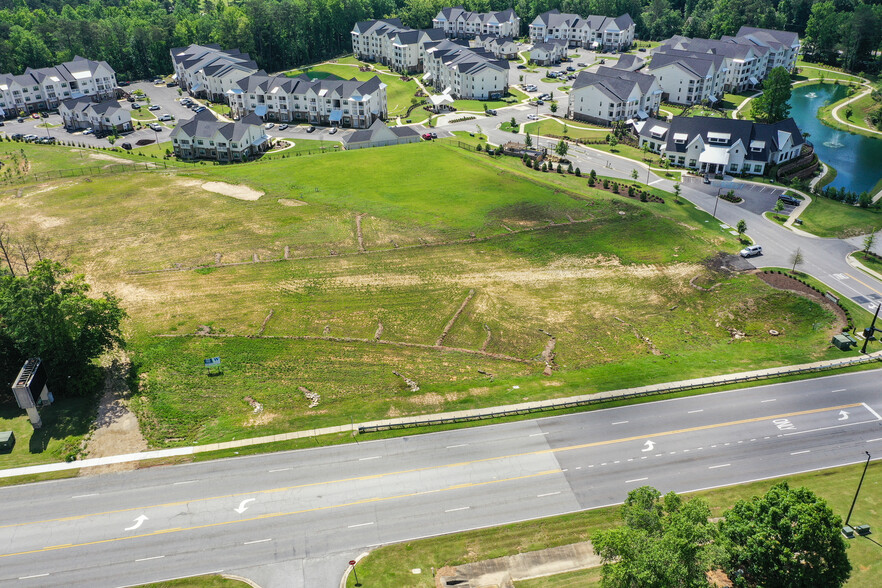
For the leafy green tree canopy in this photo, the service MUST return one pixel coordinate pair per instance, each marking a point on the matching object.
(774, 103)
(48, 313)
(787, 538)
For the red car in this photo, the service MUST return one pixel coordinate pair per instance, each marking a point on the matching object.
(427, 136)
(36, 116)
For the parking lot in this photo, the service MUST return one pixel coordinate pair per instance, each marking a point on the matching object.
(757, 199)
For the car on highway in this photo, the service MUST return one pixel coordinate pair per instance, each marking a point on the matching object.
(788, 199)
(154, 107)
(751, 251)
(333, 130)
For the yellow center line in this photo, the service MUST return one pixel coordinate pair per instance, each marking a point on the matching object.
(444, 466)
(279, 514)
(865, 284)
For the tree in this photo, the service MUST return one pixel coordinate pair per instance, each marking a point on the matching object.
(787, 538)
(552, 107)
(513, 123)
(634, 174)
(561, 148)
(741, 227)
(528, 141)
(848, 111)
(677, 189)
(796, 259)
(773, 105)
(869, 241)
(48, 313)
(664, 542)
(779, 206)
(612, 140)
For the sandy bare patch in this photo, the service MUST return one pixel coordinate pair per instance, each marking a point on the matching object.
(552, 383)
(47, 222)
(291, 202)
(260, 419)
(233, 191)
(428, 399)
(114, 159)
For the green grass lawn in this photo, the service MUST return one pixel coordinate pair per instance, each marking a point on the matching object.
(514, 96)
(873, 263)
(704, 111)
(861, 109)
(555, 128)
(390, 566)
(818, 70)
(629, 152)
(142, 114)
(213, 581)
(828, 218)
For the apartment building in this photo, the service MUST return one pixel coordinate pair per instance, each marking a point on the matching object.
(688, 77)
(206, 137)
(209, 71)
(592, 32)
(501, 47)
(548, 52)
(379, 135)
(783, 46)
(388, 42)
(611, 94)
(464, 72)
(459, 23)
(722, 145)
(83, 113)
(328, 101)
(45, 88)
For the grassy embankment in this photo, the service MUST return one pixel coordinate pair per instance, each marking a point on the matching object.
(391, 304)
(391, 565)
(555, 128)
(828, 218)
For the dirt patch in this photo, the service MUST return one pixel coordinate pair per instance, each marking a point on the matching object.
(782, 282)
(116, 428)
(263, 418)
(429, 399)
(106, 157)
(291, 202)
(237, 191)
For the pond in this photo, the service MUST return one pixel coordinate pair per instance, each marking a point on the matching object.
(857, 159)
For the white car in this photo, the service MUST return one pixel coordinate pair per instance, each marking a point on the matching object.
(270, 125)
(88, 131)
(156, 127)
(751, 251)
(165, 117)
(532, 117)
(333, 130)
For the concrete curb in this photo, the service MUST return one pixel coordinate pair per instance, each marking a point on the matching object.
(349, 569)
(464, 415)
(859, 266)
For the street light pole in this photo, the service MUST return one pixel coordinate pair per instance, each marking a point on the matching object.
(716, 201)
(869, 332)
(848, 518)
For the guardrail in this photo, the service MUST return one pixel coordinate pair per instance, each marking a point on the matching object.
(601, 397)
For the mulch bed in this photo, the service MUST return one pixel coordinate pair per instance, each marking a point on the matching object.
(782, 282)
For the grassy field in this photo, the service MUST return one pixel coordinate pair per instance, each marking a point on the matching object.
(828, 218)
(338, 322)
(861, 108)
(390, 566)
(817, 70)
(555, 128)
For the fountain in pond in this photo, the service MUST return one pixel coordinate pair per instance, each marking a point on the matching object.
(811, 95)
(833, 142)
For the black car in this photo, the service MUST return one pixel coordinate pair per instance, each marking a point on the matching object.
(310, 129)
(788, 199)
(522, 66)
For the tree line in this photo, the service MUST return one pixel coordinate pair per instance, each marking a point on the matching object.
(135, 36)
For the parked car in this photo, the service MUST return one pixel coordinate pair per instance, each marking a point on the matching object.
(283, 127)
(30, 138)
(171, 84)
(333, 130)
(200, 109)
(788, 199)
(522, 66)
(126, 146)
(491, 112)
(434, 136)
(36, 116)
(642, 50)
(540, 102)
(427, 136)
(165, 117)
(269, 125)
(130, 98)
(155, 127)
(751, 251)
(47, 140)
(136, 106)
(706, 179)
(2, 124)
(602, 61)
(157, 81)
(532, 117)
(310, 129)
(17, 137)
(582, 64)
(153, 107)
(89, 131)
(20, 119)
(123, 84)
(571, 68)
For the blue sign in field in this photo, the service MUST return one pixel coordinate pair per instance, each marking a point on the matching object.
(212, 361)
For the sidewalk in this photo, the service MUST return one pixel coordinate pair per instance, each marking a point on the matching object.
(488, 412)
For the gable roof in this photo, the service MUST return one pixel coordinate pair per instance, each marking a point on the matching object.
(729, 131)
(204, 125)
(615, 83)
(769, 36)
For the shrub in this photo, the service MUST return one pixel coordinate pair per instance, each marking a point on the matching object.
(545, 167)
(605, 181)
(643, 196)
(578, 173)
(479, 147)
(560, 168)
(570, 168)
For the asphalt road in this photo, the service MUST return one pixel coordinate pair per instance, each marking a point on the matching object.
(297, 518)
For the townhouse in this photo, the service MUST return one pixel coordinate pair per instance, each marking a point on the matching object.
(379, 135)
(460, 23)
(328, 101)
(388, 42)
(611, 94)
(206, 137)
(83, 113)
(548, 52)
(463, 72)
(721, 145)
(45, 88)
(501, 47)
(208, 71)
(592, 32)
(688, 77)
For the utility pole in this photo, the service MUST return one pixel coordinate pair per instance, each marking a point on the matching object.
(868, 332)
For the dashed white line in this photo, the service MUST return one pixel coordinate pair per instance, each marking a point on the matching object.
(455, 446)
(368, 458)
(149, 558)
(34, 576)
(280, 470)
(547, 494)
(84, 495)
(800, 452)
(256, 541)
(769, 400)
(840, 390)
(725, 465)
(619, 422)
(456, 509)
(617, 461)
(185, 482)
(538, 434)
(694, 411)
(361, 525)
(635, 480)
(872, 440)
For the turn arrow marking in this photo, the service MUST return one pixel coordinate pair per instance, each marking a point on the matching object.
(242, 508)
(843, 416)
(138, 522)
(648, 445)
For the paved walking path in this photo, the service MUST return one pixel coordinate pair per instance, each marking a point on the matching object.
(429, 418)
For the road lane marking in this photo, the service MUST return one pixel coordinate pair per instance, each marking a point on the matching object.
(455, 446)
(873, 440)
(865, 284)
(620, 422)
(637, 480)
(875, 414)
(695, 411)
(185, 482)
(280, 470)
(840, 390)
(800, 452)
(725, 465)
(256, 541)
(84, 495)
(361, 525)
(458, 509)
(538, 434)
(369, 458)
(547, 494)
(550, 450)
(769, 400)
(149, 558)
(34, 576)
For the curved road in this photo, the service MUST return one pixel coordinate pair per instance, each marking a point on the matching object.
(297, 518)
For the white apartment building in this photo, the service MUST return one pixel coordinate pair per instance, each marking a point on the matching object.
(610, 94)
(722, 145)
(45, 88)
(206, 137)
(209, 71)
(83, 113)
(458, 22)
(388, 42)
(593, 32)
(465, 73)
(501, 47)
(783, 46)
(329, 101)
(548, 52)
(688, 77)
